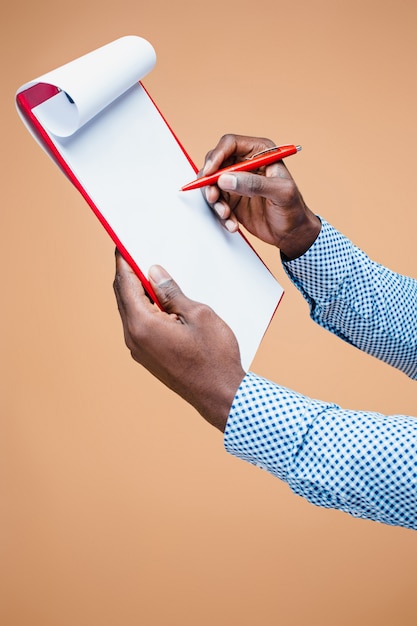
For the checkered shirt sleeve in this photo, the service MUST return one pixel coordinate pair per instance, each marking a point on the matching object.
(359, 300)
(363, 463)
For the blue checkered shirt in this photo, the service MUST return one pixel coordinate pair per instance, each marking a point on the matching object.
(363, 463)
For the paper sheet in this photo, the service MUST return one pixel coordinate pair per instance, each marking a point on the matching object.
(127, 159)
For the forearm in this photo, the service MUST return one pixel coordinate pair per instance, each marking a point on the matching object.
(359, 300)
(362, 463)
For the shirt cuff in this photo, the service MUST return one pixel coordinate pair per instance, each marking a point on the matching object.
(320, 272)
(267, 424)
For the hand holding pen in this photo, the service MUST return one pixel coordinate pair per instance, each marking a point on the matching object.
(266, 202)
(265, 157)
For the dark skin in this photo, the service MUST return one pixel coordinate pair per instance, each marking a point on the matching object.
(187, 346)
(266, 202)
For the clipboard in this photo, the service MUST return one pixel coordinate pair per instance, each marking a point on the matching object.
(95, 119)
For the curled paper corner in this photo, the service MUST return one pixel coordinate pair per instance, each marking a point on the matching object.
(84, 87)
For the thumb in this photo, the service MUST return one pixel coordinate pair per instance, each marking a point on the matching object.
(251, 185)
(169, 295)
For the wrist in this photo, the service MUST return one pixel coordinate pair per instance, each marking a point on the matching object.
(215, 405)
(301, 237)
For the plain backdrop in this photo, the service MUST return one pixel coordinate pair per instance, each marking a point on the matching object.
(118, 504)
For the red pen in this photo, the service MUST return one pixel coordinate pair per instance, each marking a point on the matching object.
(266, 157)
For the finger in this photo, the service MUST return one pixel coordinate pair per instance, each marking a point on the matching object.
(218, 204)
(130, 294)
(219, 156)
(221, 207)
(232, 148)
(223, 210)
(211, 193)
(232, 224)
(275, 188)
(169, 294)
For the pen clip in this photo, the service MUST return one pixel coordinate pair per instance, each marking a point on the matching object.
(262, 152)
(273, 149)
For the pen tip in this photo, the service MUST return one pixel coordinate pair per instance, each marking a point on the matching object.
(298, 148)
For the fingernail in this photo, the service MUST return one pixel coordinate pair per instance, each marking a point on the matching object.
(227, 181)
(220, 209)
(158, 275)
(231, 226)
(209, 194)
(208, 165)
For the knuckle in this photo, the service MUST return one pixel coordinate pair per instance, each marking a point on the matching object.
(130, 344)
(228, 143)
(253, 184)
(115, 286)
(268, 143)
(208, 155)
(227, 138)
(289, 191)
(133, 335)
(202, 313)
(116, 282)
(169, 290)
(135, 339)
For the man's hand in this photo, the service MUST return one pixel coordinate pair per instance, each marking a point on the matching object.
(186, 346)
(267, 203)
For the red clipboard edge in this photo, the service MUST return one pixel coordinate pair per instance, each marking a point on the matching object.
(28, 99)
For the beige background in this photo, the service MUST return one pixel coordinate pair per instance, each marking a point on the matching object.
(118, 503)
